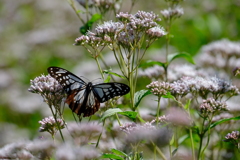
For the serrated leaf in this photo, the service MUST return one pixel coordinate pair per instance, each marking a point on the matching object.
(109, 113)
(111, 156)
(130, 114)
(118, 152)
(138, 96)
(188, 57)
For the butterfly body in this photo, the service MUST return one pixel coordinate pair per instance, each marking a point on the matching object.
(85, 98)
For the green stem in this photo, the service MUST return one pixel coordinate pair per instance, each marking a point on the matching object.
(99, 137)
(208, 138)
(99, 68)
(201, 135)
(192, 144)
(75, 9)
(118, 120)
(191, 136)
(158, 108)
(55, 118)
(170, 151)
(159, 151)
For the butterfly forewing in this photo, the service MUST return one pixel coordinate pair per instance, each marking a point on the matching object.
(85, 98)
(106, 91)
(68, 80)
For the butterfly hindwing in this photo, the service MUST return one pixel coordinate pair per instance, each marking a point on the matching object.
(85, 98)
(83, 102)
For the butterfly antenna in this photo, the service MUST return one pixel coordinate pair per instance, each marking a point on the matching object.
(85, 79)
(98, 79)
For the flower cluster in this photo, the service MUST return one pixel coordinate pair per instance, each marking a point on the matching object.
(175, 116)
(130, 127)
(156, 32)
(203, 86)
(84, 132)
(102, 5)
(71, 151)
(233, 137)
(127, 32)
(45, 84)
(179, 88)
(236, 71)
(211, 106)
(37, 149)
(195, 85)
(91, 39)
(155, 72)
(50, 125)
(48, 88)
(159, 88)
(146, 132)
(177, 71)
(221, 54)
(171, 13)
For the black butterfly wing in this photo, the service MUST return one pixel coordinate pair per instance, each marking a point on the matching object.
(106, 91)
(68, 80)
(80, 98)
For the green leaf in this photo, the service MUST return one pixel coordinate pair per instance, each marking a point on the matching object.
(168, 95)
(172, 140)
(152, 63)
(113, 73)
(94, 19)
(118, 152)
(79, 11)
(111, 156)
(183, 138)
(88, 25)
(130, 114)
(140, 119)
(138, 96)
(109, 113)
(186, 56)
(83, 29)
(107, 79)
(224, 120)
(186, 106)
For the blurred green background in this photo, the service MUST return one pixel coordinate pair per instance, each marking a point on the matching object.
(38, 34)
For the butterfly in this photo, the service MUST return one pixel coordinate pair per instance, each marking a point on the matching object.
(85, 98)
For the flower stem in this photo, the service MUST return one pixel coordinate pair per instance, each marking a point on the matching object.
(55, 118)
